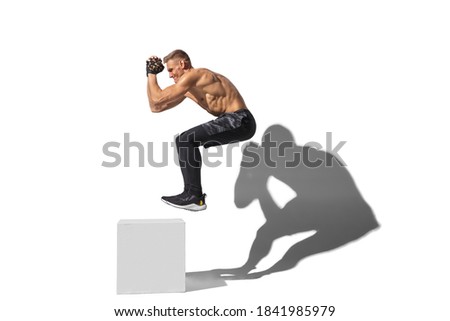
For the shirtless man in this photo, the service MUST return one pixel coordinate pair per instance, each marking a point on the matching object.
(214, 93)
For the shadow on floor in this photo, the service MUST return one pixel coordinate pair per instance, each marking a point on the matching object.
(327, 202)
(203, 280)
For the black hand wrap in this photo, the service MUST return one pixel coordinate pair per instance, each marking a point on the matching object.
(154, 65)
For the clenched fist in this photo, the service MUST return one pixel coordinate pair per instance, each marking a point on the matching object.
(154, 65)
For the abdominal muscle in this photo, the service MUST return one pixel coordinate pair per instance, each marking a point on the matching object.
(216, 94)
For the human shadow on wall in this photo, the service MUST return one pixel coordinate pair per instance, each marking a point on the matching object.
(327, 202)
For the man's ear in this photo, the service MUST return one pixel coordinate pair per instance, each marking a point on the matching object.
(182, 64)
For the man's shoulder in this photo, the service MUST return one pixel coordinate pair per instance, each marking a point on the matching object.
(202, 72)
(195, 73)
(202, 76)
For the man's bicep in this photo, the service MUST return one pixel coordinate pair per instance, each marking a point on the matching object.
(174, 93)
(178, 101)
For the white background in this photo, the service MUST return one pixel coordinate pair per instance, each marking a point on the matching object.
(376, 74)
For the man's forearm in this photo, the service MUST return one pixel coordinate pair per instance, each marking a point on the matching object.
(153, 90)
(163, 99)
(152, 86)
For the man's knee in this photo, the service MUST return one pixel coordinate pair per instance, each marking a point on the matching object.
(182, 140)
(186, 138)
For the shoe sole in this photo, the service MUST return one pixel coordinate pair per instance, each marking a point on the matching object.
(189, 207)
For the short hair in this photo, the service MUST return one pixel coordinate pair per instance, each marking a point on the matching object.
(178, 54)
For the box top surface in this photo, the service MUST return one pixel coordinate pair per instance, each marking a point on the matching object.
(151, 221)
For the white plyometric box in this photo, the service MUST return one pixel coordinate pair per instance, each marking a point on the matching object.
(150, 256)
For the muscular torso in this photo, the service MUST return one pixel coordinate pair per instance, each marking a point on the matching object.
(215, 93)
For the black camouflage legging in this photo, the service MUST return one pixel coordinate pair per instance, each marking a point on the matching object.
(227, 128)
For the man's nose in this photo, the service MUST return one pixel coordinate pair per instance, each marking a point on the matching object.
(170, 75)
